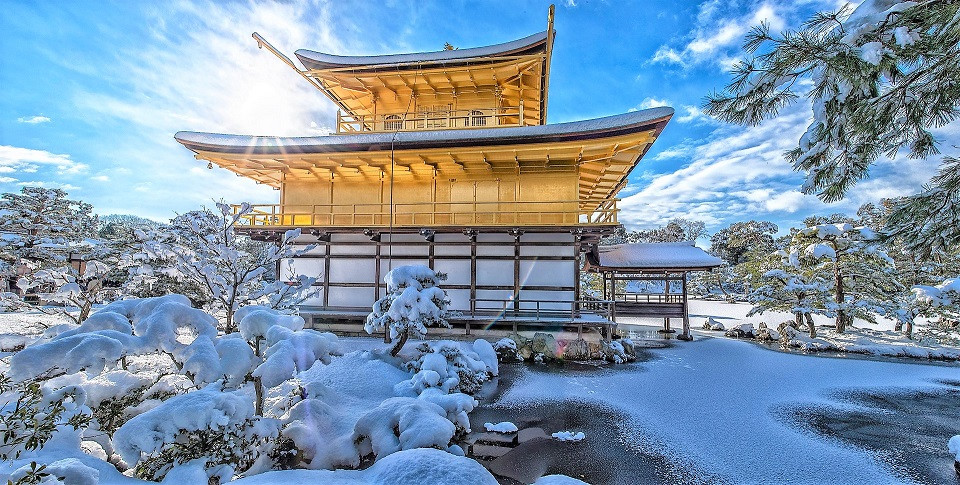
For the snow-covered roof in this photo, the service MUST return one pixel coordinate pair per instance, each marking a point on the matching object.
(650, 256)
(319, 60)
(595, 128)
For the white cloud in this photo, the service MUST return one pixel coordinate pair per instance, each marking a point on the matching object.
(33, 120)
(692, 114)
(27, 160)
(648, 103)
(100, 178)
(7, 180)
(713, 35)
(740, 172)
(202, 71)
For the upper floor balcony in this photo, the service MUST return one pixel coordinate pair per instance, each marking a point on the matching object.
(436, 214)
(430, 119)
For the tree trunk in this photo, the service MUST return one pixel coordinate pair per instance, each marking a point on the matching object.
(811, 326)
(841, 322)
(909, 330)
(399, 345)
(720, 285)
(798, 318)
(258, 389)
(898, 327)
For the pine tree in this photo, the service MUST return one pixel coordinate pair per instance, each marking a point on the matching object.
(41, 229)
(414, 301)
(880, 79)
(792, 288)
(863, 275)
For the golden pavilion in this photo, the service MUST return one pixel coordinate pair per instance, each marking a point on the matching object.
(444, 159)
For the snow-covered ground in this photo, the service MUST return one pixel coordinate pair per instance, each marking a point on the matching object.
(862, 338)
(717, 406)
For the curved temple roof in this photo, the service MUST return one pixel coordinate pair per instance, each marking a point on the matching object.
(319, 60)
(653, 256)
(634, 122)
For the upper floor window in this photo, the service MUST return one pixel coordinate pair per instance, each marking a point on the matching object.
(392, 123)
(478, 118)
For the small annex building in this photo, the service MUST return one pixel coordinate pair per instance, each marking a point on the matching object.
(443, 159)
(664, 266)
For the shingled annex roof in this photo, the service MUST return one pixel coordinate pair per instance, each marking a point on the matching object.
(527, 45)
(653, 256)
(637, 121)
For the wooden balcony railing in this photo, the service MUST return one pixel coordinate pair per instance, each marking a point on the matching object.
(439, 119)
(436, 214)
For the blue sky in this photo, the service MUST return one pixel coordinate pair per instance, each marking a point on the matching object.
(92, 93)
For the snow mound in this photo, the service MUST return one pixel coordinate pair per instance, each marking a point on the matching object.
(558, 480)
(421, 465)
(504, 427)
(67, 470)
(403, 423)
(954, 446)
(256, 323)
(569, 435)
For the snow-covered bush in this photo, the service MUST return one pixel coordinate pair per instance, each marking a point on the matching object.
(447, 366)
(507, 350)
(217, 427)
(30, 420)
(941, 304)
(404, 423)
(414, 301)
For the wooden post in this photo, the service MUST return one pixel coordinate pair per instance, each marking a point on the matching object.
(686, 311)
(326, 276)
(376, 275)
(472, 234)
(516, 233)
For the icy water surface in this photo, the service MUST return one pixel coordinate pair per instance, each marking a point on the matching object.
(907, 429)
(604, 456)
(725, 411)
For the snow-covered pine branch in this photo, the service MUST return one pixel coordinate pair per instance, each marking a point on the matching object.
(880, 79)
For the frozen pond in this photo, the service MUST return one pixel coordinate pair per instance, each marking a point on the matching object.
(723, 411)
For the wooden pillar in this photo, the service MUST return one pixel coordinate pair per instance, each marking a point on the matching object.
(666, 298)
(606, 295)
(516, 233)
(376, 274)
(576, 275)
(326, 275)
(686, 311)
(472, 234)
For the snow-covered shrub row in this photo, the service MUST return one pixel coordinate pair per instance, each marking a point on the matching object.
(854, 340)
(150, 421)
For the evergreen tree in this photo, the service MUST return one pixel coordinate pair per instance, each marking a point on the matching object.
(414, 301)
(863, 276)
(49, 255)
(792, 288)
(880, 79)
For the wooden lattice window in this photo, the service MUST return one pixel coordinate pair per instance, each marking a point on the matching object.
(392, 123)
(478, 118)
